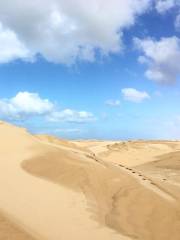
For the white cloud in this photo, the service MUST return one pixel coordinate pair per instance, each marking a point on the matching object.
(25, 105)
(67, 130)
(133, 95)
(113, 103)
(65, 31)
(162, 58)
(31, 103)
(164, 5)
(11, 47)
(69, 115)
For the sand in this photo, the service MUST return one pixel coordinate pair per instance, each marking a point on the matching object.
(55, 189)
(11, 230)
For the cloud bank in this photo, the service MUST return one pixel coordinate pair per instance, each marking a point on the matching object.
(26, 105)
(65, 31)
(69, 115)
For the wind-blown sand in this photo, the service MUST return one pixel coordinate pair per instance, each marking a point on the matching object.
(61, 190)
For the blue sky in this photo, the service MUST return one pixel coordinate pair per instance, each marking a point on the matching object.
(101, 71)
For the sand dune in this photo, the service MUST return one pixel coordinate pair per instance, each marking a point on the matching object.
(56, 189)
(132, 153)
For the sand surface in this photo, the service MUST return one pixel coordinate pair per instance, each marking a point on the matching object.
(53, 189)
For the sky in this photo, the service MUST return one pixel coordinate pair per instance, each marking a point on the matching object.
(91, 70)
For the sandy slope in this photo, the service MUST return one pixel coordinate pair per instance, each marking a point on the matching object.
(165, 170)
(58, 190)
(47, 210)
(130, 153)
(10, 230)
